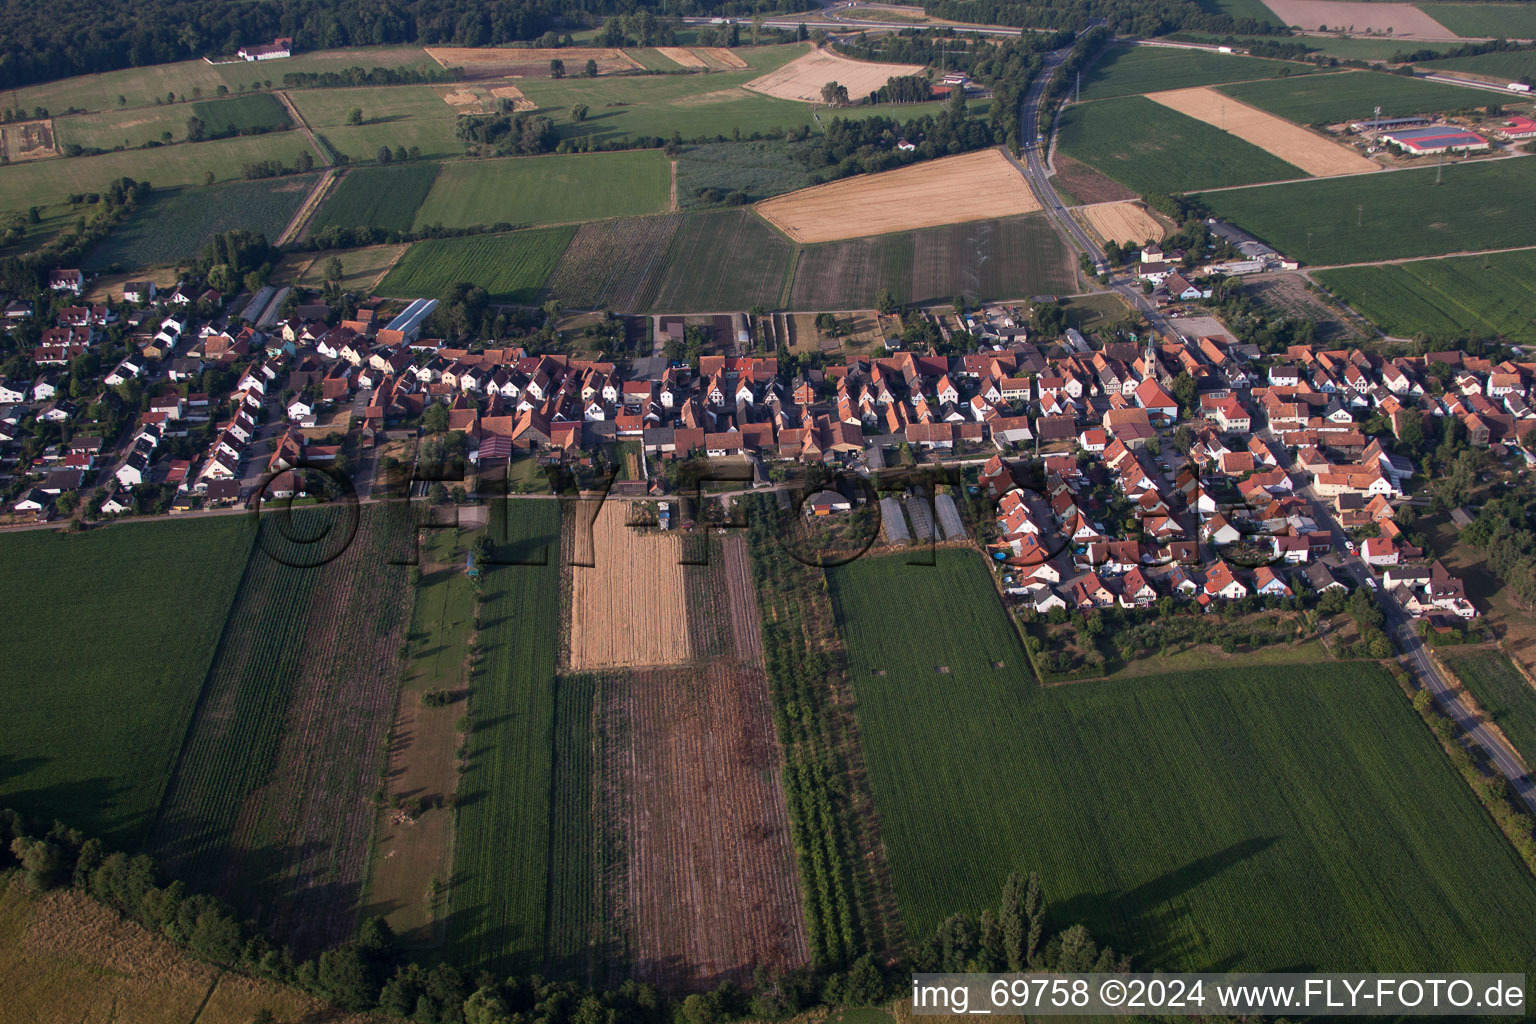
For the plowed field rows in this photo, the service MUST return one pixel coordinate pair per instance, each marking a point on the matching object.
(628, 606)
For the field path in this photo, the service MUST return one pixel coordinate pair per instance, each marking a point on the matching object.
(306, 210)
(1420, 259)
(298, 119)
(672, 196)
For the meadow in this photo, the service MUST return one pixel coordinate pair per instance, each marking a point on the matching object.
(360, 268)
(1511, 66)
(108, 649)
(547, 189)
(175, 223)
(1130, 70)
(512, 267)
(502, 850)
(42, 182)
(1385, 216)
(380, 197)
(1499, 20)
(1343, 48)
(1013, 257)
(1444, 299)
(1354, 95)
(1503, 692)
(757, 169)
(252, 112)
(719, 262)
(1210, 819)
(1150, 148)
(401, 115)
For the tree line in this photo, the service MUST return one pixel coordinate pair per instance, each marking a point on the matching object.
(1122, 17)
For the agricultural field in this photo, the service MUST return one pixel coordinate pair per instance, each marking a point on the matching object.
(1150, 148)
(379, 197)
(1353, 95)
(1273, 770)
(802, 79)
(64, 959)
(581, 940)
(45, 182)
(1496, 20)
(253, 112)
(547, 189)
(1239, 9)
(481, 62)
(1505, 67)
(94, 722)
(756, 169)
(1396, 19)
(972, 186)
(197, 79)
(613, 264)
(393, 115)
(1314, 153)
(1013, 257)
(1132, 70)
(719, 262)
(1387, 216)
(126, 128)
(512, 267)
(175, 223)
(628, 604)
(269, 805)
(1444, 299)
(1122, 222)
(497, 915)
(1077, 183)
(361, 269)
(1341, 47)
(1502, 691)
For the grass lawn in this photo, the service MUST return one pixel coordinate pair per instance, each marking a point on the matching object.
(1232, 819)
(547, 189)
(111, 636)
(1329, 99)
(1480, 205)
(501, 860)
(512, 267)
(1501, 690)
(174, 224)
(1129, 70)
(197, 79)
(1150, 148)
(49, 181)
(1501, 20)
(1451, 298)
(381, 197)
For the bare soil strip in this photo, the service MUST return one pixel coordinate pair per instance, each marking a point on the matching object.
(802, 78)
(1292, 143)
(682, 56)
(628, 607)
(1122, 222)
(973, 186)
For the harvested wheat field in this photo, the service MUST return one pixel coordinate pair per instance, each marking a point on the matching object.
(628, 604)
(1122, 222)
(952, 190)
(467, 99)
(1402, 20)
(519, 62)
(513, 93)
(802, 78)
(1292, 143)
(682, 56)
(709, 878)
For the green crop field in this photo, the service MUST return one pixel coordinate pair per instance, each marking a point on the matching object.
(502, 849)
(547, 189)
(720, 262)
(1346, 48)
(244, 113)
(1354, 95)
(380, 197)
(573, 881)
(1446, 299)
(1502, 691)
(110, 636)
(512, 267)
(399, 115)
(758, 169)
(174, 224)
(1232, 819)
(613, 263)
(1512, 66)
(1150, 148)
(1011, 258)
(1129, 70)
(197, 79)
(42, 182)
(1385, 216)
(1240, 9)
(1500, 20)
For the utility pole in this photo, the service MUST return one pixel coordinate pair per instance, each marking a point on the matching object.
(1360, 216)
(1440, 169)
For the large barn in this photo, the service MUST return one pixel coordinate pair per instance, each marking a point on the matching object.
(1437, 138)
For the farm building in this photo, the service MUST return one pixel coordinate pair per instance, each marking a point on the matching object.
(1387, 123)
(824, 503)
(1439, 138)
(1517, 128)
(278, 48)
(407, 326)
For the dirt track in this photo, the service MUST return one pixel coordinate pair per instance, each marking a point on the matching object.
(1292, 143)
(951, 190)
(628, 606)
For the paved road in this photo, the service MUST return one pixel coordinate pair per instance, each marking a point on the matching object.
(1400, 629)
